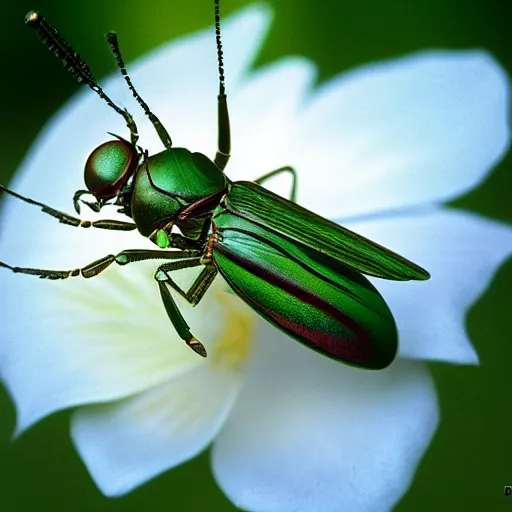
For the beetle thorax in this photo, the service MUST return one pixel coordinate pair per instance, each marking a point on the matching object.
(167, 183)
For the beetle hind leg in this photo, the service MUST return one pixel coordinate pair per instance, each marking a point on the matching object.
(193, 295)
(287, 168)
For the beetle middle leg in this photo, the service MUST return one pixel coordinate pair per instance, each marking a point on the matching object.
(193, 295)
(98, 266)
(286, 168)
(196, 290)
(70, 220)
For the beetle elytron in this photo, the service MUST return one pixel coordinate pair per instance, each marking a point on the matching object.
(299, 271)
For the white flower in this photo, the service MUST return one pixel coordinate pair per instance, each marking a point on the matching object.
(291, 430)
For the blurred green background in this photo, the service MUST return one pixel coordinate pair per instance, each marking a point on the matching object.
(470, 459)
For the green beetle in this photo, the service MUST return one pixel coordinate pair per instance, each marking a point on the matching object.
(299, 271)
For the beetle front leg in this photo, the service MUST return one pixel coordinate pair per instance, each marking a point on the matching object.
(286, 168)
(70, 220)
(193, 296)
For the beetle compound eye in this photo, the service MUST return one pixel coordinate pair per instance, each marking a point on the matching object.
(108, 168)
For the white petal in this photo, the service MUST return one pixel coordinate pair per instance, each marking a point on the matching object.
(85, 341)
(462, 252)
(424, 128)
(264, 114)
(310, 435)
(127, 443)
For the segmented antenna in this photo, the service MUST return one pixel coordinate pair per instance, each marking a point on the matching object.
(159, 127)
(222, 88)
(74, 64)
(224, 133)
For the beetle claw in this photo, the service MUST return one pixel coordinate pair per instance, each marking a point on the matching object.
(197, 346)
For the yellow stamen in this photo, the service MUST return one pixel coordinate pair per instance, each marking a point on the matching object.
(234, 346)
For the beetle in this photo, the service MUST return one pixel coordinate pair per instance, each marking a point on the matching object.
(302, 273)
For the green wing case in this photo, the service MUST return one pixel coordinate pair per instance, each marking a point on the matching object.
(312, 297)
(265, 208)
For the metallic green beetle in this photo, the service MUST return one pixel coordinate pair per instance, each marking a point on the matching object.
(299, 271)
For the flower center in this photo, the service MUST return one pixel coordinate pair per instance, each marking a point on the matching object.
(233, 348)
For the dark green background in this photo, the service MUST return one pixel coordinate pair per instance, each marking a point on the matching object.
(470, 459)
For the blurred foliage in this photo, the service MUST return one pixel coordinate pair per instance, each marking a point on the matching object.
(470, 459)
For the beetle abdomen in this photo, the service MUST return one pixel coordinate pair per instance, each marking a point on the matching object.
(313, 298)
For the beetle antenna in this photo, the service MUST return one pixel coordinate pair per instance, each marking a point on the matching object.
(224, 131)
(74, 64)
(222, 87)
(162, 132)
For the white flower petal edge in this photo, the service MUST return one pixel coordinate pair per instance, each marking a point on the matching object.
(310, 435)
(126, 443)
(462, 251)
(99, 340)
(421, 129)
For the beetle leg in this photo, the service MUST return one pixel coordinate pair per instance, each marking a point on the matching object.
(98, 266)
(70, 220)
(197, 289)
(193, 296)
(182, 242)
(287, 168)
(175, 240)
